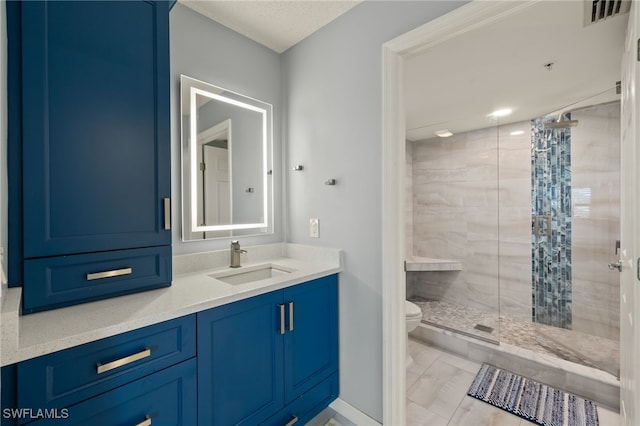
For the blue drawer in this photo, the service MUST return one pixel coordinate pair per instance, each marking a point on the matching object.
(309, 404)
(53, 282)
(67, 377)
(166, 398)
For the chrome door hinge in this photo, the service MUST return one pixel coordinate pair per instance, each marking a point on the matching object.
(616, 266)
(203, 167)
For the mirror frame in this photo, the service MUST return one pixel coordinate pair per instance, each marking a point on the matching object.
(189, 173)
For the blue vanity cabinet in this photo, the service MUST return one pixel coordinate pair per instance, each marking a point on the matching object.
(271, 358)
(121, 379)
(64, 378)
(94, 143)
(240, 370)
(165, 398)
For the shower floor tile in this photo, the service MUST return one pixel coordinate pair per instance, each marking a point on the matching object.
(570, 345)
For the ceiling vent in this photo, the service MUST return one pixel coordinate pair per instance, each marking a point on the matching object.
(599, 10)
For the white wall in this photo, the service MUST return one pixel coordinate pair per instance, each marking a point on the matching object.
(333, 93)
(207, 51)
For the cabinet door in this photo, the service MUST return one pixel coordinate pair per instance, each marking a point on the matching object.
(240, 350)
(95, 121)
(311, 341)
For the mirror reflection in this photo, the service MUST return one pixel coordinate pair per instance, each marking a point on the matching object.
(226, 151)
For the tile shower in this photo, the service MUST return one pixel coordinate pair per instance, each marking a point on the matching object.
(534, 219)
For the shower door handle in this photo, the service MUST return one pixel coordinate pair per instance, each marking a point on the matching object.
(617, 265)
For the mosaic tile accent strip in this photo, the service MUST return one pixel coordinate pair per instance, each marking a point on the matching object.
(551, 224)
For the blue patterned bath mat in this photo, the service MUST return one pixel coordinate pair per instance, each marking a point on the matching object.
(531, 400)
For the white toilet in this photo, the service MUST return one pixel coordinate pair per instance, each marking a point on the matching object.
(413, 316)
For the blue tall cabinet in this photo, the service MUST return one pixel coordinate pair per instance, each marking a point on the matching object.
(89, 137)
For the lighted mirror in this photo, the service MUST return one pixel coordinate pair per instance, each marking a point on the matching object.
(226, 162)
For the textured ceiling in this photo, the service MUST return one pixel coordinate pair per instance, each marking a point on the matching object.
(277, 25)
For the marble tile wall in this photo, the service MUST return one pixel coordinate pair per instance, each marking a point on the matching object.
(465, 207)
(515, 221)
(596, 219)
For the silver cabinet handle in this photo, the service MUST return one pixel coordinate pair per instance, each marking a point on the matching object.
(290, 316)
(293, 421)
(103, 368)
(109, 274)
(282, 326)
(145, 422)
(167, 214)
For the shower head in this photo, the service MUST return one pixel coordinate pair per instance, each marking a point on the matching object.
(561, 123)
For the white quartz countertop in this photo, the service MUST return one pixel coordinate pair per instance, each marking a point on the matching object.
(29, 336)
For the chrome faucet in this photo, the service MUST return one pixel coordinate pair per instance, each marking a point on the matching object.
(235, 254)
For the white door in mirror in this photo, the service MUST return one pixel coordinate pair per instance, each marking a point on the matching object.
(314, 227)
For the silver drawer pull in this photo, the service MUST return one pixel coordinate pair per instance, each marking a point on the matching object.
(145, 422)
(109, 274)
(290, 316)
(102, 368)
(282, 330)
(167, 214)
(293, 421)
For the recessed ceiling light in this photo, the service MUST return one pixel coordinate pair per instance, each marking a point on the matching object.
(500, 112)
(444, 133)
(517, 133)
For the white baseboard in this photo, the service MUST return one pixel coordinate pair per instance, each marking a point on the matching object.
(352, 413)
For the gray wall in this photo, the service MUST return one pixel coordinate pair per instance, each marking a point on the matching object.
(333, 93)
(207, 51)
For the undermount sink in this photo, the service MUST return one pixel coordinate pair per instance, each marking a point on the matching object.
(244, 275)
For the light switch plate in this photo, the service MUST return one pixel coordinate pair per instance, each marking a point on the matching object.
(314, 227)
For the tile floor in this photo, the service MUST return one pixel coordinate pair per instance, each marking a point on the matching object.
(437, 385)
(329, 417)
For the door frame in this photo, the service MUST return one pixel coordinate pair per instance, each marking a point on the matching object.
(468, 17)
(629, 226)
